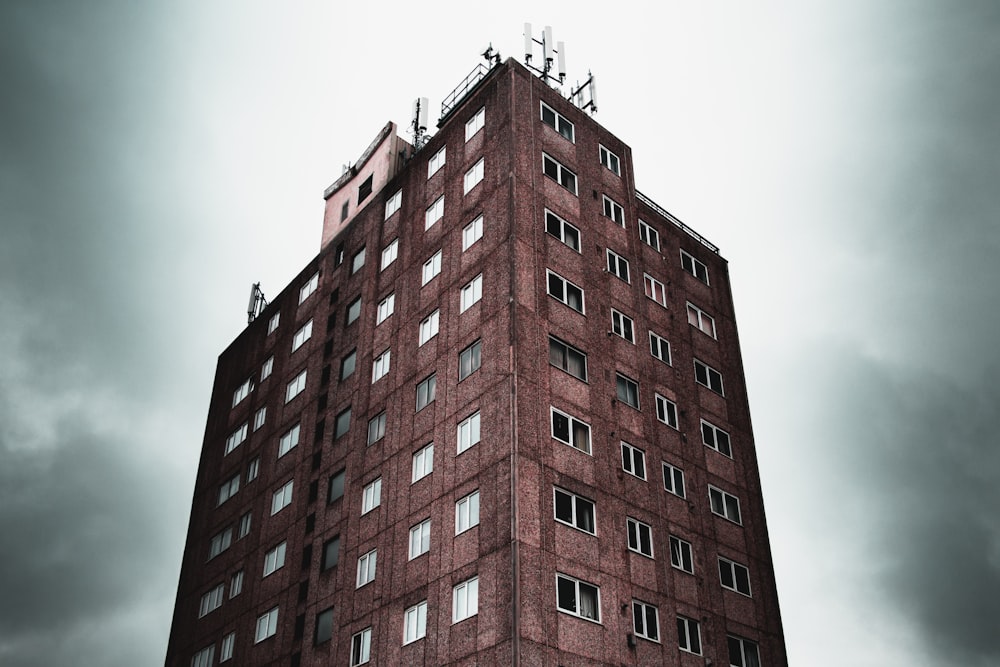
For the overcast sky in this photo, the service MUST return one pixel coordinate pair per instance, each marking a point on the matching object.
(157, 160)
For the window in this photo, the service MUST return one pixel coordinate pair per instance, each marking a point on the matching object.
(229, 488)
(474, 175)
(558, 122)
(366, 568)
(253, 469)
(348, 364)
(613, 210)
(274, 559)
(344, 210)
(559, 173)
(306, 290)
(646, 621)
(742, 652)
(724, 504)
(568, 358)
(621, 325)
(259, 417)
(331, 553)
(574, 510)
(236, 438)
(618, 265)
(468, 432)
(288, 441)
(423, 462)
(425, 392)
(469, 360)
(610, 160)
(694, 267)
(666, 411)
(471, 233)
(302, 335)
(380, 366)
(649, 236)
(204, 657)
(633, 460)
(708, 376)
(716, 438)
(434, 213)
(701, 320)
(570, 430)
(211, 600)
(242, 392)
(357, 261)
(436, 162)
(432, 267)
(386, 307)
(673, 479)
(361, 645)
(324, 626)
(244, 527)
(475, 123)
(659, 348)
(220, 542)
(640, 537)
(465, 600)
(267, 626)
(578, 598)
(272, 323)
(415, 622)
(467, 512)
(342, 424)
(393, 203)
(420, 539)
(655, 290)
(266, 369)
(562, 230)
(689, 635)
(680, 555)
(365, 189)
(282, 498)
(376, 428)
(471, 293)
(734, 576)
(295, 387)
(371, 497)
(389, 253)
(226, 648)
(353, 311)
(335, 490)
(429, 327)
(628, 390)
(563, 290)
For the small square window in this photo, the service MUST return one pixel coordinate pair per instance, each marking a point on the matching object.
(436, 162)
(558, 122)
(724, 504)
(465, 600)
(633, 460)
(628, 390)
(471, 233)
(423, 462)
(666, 411)
(708, 376)
(716, 438)
(467, 512)
(420, 539)
(646, 621)
(614, 210)
(570, 430)
(475, 123)
(471, 293)
(426, 391)
(361, 646)
(700, 320)
(649, 236)
(578, 598)
(432, 268)
(574, 510)
(469, 360)
(564, 291)
(568, 358)
(559, 173)
(681, 555)
(366, 568)
(610, 160)
(694, 267)
(415, 622)
(475, 175)
(562, 230)
(673, 479)
(468, 432)
(734, 576)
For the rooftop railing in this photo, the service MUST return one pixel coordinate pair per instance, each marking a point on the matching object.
(666, 214)
(452, 99)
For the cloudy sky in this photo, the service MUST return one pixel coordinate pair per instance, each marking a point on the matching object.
(156, 160)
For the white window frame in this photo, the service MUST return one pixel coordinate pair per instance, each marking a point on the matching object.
(429, 386)
(673, 480)
(274, 559)
(211, 600)
(471, 293)
(358, 260)
(429, 327)
(474, 176)
(563, 286)
(617, 265)
(242, 392)
(415, 623)
(267, 625)
(371, 495)
(436, 161)
(695, 267)
(259, 418)
(649, 235)
(282, 498)
(722, 504)
(226, 647)
(393, 203)
(569, 358)
(625, 389)
(666, 411)
(640, 537)
(272, 324)
(468, 432)
(475, 123)
(681, 555)
(434, 213)
(641, 612)
(609, 160)
(386, 307)
(633, 460)
(289, 440)
(389, 254)
(236, 438)
(613, 211)
(253, 469)
(731, 570)
(622, 324)
(579, 509)
(470, 358)
(701, 320)
(361, 647)
(654, 289)
(562, 125)
(367, 564)
(296, 386)
(659, 347)
(376, 428)
(745, 648)
(564, 176)
(420, 539)
(204, 657)
(465, 600)
(472, 232)
(555, 223)
(266, 368)
(577, 597)
(309, 287)
(689, 635)
(380, 366)
(467, 512)
(572, 423)
(423, 462)
(220, 542)
(244, 526)
(431, 268)
(712, 379)
(712, 436)
(302, 335)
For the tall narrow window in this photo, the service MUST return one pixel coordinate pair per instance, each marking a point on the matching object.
(226, 648)
(335, 490)
(659, 348)
(436, 162)
(432, 268)
(366, 568)
(420, 539)
(673, 479)
(469, 360)
(302, 335)
(342, 423)
(429, 327)
(259, 417)
(361, 646)
(348, 364)
(389, 254)
(475, 123)
(468, 432)
(471, 293)
(474, 175)
(324, 626)
(242, 392)
(465, 600)
(380, 366)
(357, 261)
(618, 266)
(628, 390)
(386, 307)
(681, 555)
(434, 213)
(621, 325)
(614, 210)
(742, 652)
(646, 621)
(295, 387)
(274, 559)
(423, 462)
(331, 553)
(655, 290)
(415, 622)
(633, 460)
(236, 438)
(267, 626)
(666, 411)
(376, 428)
(266, 369)
(371, 496)
(472, 232)
(689, 635)
(288, 441)
(272, 323)
(310, 286)
(282, 498)
(426, 391)
(640, 537)
(393, 203)
(467, 512)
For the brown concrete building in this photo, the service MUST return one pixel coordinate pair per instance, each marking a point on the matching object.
(500, 419)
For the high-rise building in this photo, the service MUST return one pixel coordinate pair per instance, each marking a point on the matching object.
(500, 419)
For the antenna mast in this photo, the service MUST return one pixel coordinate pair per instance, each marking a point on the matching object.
(257, 303)
(418, 128)
(556, 77)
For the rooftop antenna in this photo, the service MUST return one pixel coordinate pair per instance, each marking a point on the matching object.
(419, 124)
(588, 101)
(548, 49)
(491, 56)
(257, 303)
